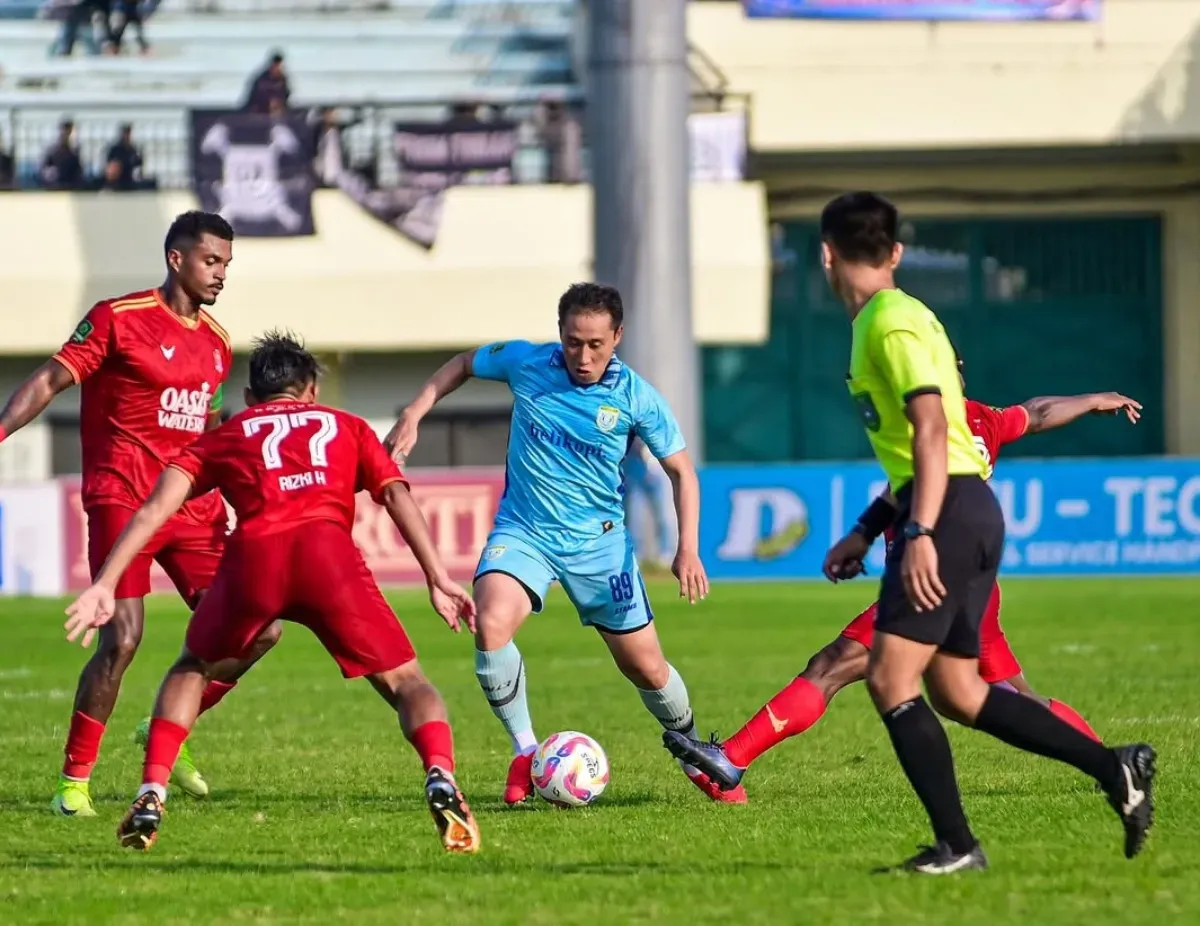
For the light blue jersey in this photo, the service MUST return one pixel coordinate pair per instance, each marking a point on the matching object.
(562, 513)
(567, 442)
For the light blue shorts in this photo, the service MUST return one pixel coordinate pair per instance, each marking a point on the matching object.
(603, 581)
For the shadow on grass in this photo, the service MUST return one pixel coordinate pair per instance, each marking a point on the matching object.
(481, 865)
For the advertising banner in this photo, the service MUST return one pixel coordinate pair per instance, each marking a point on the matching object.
(431, 158)
(255, 170)
(1085, 517)
(928, 10)
(30, 540)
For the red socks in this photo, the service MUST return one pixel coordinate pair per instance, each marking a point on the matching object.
(1067, 713)
(434, 743)
(213, 693)
(162, 749)
(789, 713)
(83, 746)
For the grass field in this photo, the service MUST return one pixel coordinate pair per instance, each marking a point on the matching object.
(316, 812)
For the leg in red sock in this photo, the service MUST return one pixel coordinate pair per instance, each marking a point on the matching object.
(802, 703)
(83, 746)
(434, 743)
(162, 749)
(213, 693)
(1067, 713)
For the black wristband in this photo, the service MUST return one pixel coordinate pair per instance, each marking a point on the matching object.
(877, 518)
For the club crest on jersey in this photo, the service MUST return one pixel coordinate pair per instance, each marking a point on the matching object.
(217, 361)
(607, 418)
(494, 552)
(82, 331)
(184, 409)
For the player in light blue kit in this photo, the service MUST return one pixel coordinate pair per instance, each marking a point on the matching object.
(576, 408)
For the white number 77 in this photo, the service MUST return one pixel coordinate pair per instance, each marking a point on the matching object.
(280, 426)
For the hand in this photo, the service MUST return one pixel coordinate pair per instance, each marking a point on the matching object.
(402, 437)
(1115, 403)
(94, 608)
(845, 558)
(919, 570)
(452, 603)
(693, 581)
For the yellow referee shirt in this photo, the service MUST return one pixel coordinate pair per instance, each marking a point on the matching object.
(900, 350)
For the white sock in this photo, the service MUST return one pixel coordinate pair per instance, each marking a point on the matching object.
(523, 742)
(157, 789)
(670, 705)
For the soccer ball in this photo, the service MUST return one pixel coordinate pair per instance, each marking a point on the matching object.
(570, 769)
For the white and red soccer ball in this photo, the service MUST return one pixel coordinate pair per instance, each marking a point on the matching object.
(569, 769)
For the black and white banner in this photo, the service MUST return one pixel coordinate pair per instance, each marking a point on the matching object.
(432, 157)
(255, 170)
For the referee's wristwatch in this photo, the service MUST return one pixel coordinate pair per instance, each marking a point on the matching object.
(913, 530)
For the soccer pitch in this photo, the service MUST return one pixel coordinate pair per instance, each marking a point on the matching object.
(317, 813)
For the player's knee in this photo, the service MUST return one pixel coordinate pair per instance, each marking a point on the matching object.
(960, 703)
(120, 643)
(268, 638)
(889, 688)
(840, 663)
(493, 630)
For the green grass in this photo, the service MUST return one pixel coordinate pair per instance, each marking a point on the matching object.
(316, 812)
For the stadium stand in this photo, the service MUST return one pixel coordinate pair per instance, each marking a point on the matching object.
(382, 60)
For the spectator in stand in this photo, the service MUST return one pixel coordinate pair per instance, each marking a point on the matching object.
(123, 165)
(133, 13)
(82, 14)
(61, 167)
(8, 168)
(561, 135)
(331, 158)
(269, 91)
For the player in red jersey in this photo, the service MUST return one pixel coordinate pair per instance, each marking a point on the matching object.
(844, 661)
(291, 469)
(150, 366)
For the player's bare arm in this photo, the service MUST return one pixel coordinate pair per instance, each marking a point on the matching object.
(33, 395)
(685, 488)
(449, 376)
(930, 478)
(449, 599)
(96, 605)
(1048, 412)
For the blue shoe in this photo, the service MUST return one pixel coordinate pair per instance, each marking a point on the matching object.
(708, 758)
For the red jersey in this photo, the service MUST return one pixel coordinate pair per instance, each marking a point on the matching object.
(149, 379)
(992, 428)
(287, 463)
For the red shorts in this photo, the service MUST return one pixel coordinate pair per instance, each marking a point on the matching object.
(188, 552)
(312, 575)
(996, 660)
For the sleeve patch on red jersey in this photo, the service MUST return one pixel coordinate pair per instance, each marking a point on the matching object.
(82, 332)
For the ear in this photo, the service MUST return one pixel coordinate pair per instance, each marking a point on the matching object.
(248, 398)
(620, 332)
(897, 255)
(312, 393)
(174, 259)
(826, 255)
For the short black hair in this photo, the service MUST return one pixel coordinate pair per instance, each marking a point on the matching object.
(861, 227)
(189, 227)
(281, 365)
(592, 297)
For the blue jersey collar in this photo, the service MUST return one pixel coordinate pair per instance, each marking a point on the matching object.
(611, 374)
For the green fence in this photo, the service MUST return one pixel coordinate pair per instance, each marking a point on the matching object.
(1035, 306)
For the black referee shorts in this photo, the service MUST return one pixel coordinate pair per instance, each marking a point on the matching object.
(969, 539)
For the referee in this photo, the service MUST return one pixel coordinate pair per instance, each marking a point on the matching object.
(950, 536)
